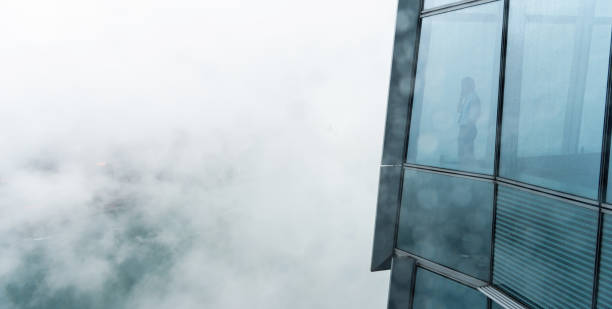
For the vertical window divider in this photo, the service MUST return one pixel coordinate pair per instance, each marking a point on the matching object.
(409, 116)
(500, 105)
(603, 176)
(414, 274)
(406, 138)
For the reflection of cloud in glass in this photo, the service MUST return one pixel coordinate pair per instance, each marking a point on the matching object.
(428, 144)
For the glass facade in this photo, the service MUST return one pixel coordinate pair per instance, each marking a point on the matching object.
(432, 291)
(544, 249)
(455, 99)
(504, 199)
(447, 220)
(555, 93)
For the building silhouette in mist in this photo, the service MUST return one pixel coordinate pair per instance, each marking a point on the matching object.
(494, 178)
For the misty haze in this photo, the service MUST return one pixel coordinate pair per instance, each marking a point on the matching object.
(191, 154)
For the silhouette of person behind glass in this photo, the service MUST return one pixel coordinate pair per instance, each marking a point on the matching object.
(469, 112)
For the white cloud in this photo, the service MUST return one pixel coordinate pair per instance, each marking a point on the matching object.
(188, 154)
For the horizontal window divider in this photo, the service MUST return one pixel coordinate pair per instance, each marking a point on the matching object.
(443, 270)
(453, 7)
(446, 171)
(561, 196)
(501, 298)
(606, 208)
(557, 195)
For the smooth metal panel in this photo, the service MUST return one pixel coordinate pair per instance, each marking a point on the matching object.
(386, 217)
(402, 276)
(402, 81)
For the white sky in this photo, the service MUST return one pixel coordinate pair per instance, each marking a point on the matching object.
(258, 124)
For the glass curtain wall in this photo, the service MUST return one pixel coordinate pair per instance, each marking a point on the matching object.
(503, 174)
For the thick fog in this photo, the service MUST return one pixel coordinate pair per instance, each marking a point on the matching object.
(191, 154)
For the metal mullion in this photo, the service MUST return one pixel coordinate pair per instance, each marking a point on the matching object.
(409, 120)
(603, 177)
(569, 198)
(446, 171)
(444, 271)
(525, 187)
(413, 279)
(453, 7)
(500, 108)
(501, 297)
(410, 103)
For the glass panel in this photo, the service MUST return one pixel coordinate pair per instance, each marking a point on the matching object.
(447, 220)
(434, 3)
(432, 291)
(544, 250)
(557, 65)
(604, 299)
(604, 9)
(455, 101)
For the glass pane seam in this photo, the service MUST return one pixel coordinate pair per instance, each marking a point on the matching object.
(459, 5)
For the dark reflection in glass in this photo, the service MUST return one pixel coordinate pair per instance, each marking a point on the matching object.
(556, 75)
(455, 100)
(544, 250)
(447, 220)
(432, 291)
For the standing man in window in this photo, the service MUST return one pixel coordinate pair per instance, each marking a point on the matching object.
(469, 112)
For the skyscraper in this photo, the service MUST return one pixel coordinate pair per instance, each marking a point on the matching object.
(494, 178)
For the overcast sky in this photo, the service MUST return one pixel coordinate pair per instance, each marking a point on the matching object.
(191, 154)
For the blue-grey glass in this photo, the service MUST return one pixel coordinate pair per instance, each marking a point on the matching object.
(456, 90)
(432, 291)
(544, 249)
(447, 220)
(604, 9)
(604, 299)
(435, 3)
(554, 98)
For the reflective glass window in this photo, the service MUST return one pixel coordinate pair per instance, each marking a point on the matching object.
(432, 291)
(554, 98)
(447, 220)
(455, 100)
(434, 3)
(544, 249)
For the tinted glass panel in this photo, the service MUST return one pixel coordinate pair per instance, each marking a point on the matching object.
(605, 268)
(544, 250)
(432, 291)
(556, 74)
(447, 220)
(455, 103)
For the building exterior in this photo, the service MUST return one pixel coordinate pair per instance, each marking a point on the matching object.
(494, 178)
